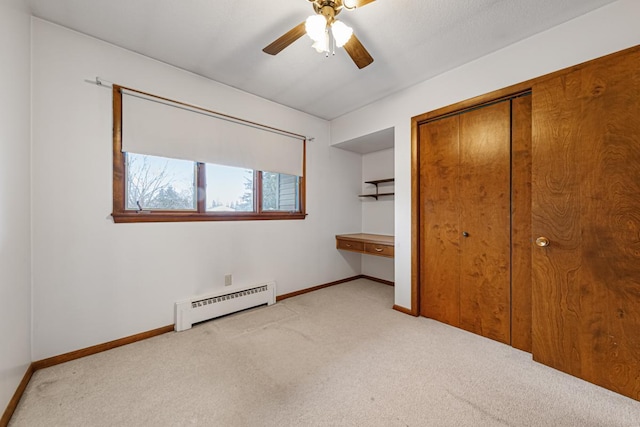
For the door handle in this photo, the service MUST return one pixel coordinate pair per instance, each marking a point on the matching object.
(465, 234)
(542, 241)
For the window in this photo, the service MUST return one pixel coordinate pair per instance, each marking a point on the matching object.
(279, 192)
(157, 188)
(229, 189)
(158, 183)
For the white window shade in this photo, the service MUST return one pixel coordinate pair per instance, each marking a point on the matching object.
(162, 128)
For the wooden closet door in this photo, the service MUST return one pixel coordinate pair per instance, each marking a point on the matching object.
(586, 202)
(485, 221)
(439, 232)
(465, 235)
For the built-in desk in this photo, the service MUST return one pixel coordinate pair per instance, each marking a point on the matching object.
(371, 244)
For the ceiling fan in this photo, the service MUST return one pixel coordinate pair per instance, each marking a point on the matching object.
(327, 32)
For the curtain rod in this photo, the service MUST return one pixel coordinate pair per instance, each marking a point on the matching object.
(109, 85)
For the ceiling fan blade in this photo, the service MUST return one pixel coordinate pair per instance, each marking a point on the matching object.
(357, 52)
(289, 37)
(360, 3)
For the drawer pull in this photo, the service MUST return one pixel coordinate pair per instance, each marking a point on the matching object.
(348, 245)
(379, 249)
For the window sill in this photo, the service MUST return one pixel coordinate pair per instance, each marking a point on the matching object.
(129, 217)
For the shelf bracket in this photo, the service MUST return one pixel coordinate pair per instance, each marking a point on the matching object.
(377, 193)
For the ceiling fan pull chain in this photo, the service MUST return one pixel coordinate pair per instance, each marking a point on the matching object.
(333, 44)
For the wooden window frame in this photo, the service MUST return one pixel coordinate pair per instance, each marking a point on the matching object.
(122, 215)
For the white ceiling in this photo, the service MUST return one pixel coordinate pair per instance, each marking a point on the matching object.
(410, 40)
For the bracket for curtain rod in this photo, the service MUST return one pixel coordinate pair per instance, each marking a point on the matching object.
(99, 82)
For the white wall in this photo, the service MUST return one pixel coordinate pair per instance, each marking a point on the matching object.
(609, 29)
(15, 218)
(377, 215)
(96, 281)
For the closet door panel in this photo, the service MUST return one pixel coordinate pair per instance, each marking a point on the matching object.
(586, 202)
(485, 221)
(439, 232)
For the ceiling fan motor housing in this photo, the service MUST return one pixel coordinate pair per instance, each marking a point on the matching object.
(329, 9)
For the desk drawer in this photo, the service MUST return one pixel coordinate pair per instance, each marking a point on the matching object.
(378, 249)
(350, 245)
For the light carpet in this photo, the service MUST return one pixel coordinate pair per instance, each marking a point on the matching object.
(339, 356)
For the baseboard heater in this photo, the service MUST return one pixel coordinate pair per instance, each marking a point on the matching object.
(206, 307)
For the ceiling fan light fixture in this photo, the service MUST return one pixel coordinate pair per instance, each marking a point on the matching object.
(341, 33)
(322, 45)
(316, 26)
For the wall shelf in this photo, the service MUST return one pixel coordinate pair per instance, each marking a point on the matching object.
(376, 183)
